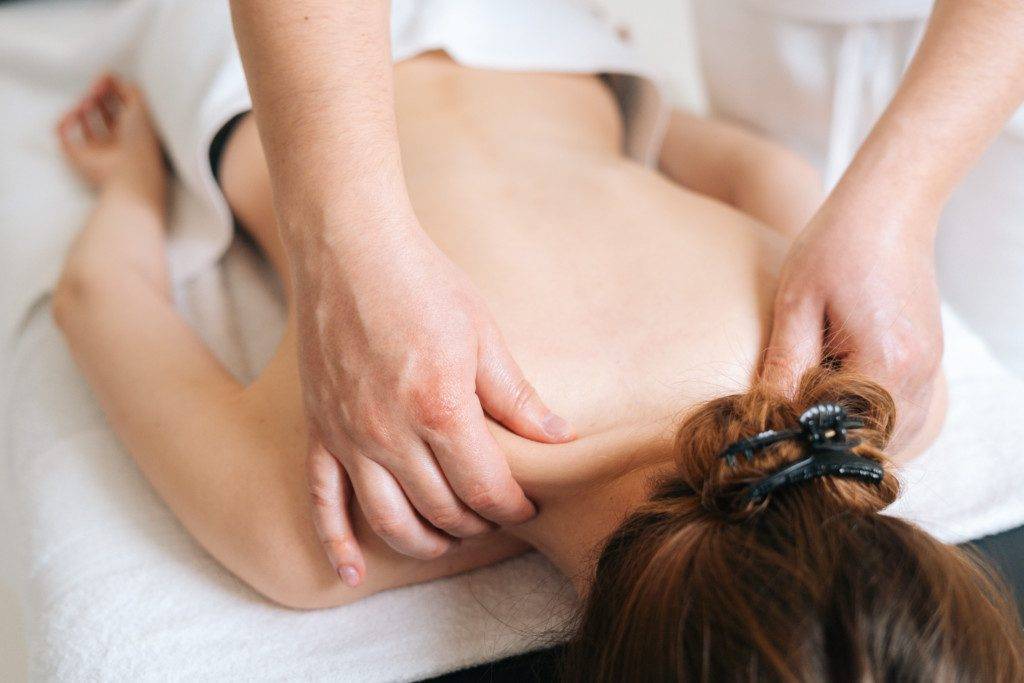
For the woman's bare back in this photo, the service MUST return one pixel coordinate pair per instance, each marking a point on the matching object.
(624, 297)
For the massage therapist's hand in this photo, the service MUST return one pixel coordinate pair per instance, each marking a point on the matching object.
(859, 285)
(860, 282)
(399, 359)
(400, 363)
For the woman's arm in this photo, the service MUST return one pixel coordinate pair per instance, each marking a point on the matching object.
(226, 458)
(399, 357)
(738, 167)
(860, 281)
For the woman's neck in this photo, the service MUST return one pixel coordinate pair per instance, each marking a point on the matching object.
(584, 490)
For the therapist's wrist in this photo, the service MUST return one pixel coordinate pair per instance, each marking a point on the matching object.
(881, 216)
(887, 203)
(350, 219)
(879, 221)
(899, 174)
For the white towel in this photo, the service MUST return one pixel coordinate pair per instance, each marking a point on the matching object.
(970, 482)
(114, 589)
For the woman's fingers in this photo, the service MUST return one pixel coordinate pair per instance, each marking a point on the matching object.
(329, 493)
(510, 399)
(390, 514)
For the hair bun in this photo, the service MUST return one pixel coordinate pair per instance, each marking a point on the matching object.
(723, 483)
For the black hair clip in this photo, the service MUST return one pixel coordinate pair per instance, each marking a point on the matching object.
(827, 423)
(747, 447)
(820, 463)
(824, 430)
(822, 426)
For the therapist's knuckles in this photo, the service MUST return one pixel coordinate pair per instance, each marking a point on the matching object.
(526, 412)
(324, 497)
(903, 352)
(372, 429)
(390, 517)
(502, 502)
(790, 352)
(781, 370)
(434, 501)
(436, 405)
(339, 551)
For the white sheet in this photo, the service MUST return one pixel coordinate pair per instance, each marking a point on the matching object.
(113, 587)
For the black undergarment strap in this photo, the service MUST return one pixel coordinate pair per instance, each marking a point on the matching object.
(220, 140)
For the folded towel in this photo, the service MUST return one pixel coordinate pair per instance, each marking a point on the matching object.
(968, 484)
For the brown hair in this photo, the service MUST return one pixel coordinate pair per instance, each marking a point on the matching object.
(810, 584)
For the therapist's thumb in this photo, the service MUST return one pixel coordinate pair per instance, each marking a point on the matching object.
(794, 346)
(510, 399)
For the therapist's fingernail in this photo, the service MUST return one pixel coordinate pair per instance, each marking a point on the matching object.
(349, 576)
(556, 427)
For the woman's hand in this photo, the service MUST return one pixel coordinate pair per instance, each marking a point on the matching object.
(859, 285)
(400, 362)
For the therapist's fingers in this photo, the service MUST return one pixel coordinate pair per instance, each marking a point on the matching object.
(510, 399)
(90, 124)
(478, 470)
(795, 344)
(330, 496)
(100, 118)
(390, 514)
(67, 133)
(906, 359)
(427, 489)
(105, 92)
(72, 136)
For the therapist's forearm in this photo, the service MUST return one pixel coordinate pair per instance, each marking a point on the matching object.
(320, 74)
(963, 84)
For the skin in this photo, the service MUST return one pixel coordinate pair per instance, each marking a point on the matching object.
(671, 297)
(400, 358)
(859, 282)
(399, 393)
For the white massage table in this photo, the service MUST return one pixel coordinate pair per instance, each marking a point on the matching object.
(112, 588)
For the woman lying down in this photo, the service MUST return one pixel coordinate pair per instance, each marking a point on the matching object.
(703, 547)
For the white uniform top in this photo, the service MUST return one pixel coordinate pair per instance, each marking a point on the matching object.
(845, 11)
(816, 75)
